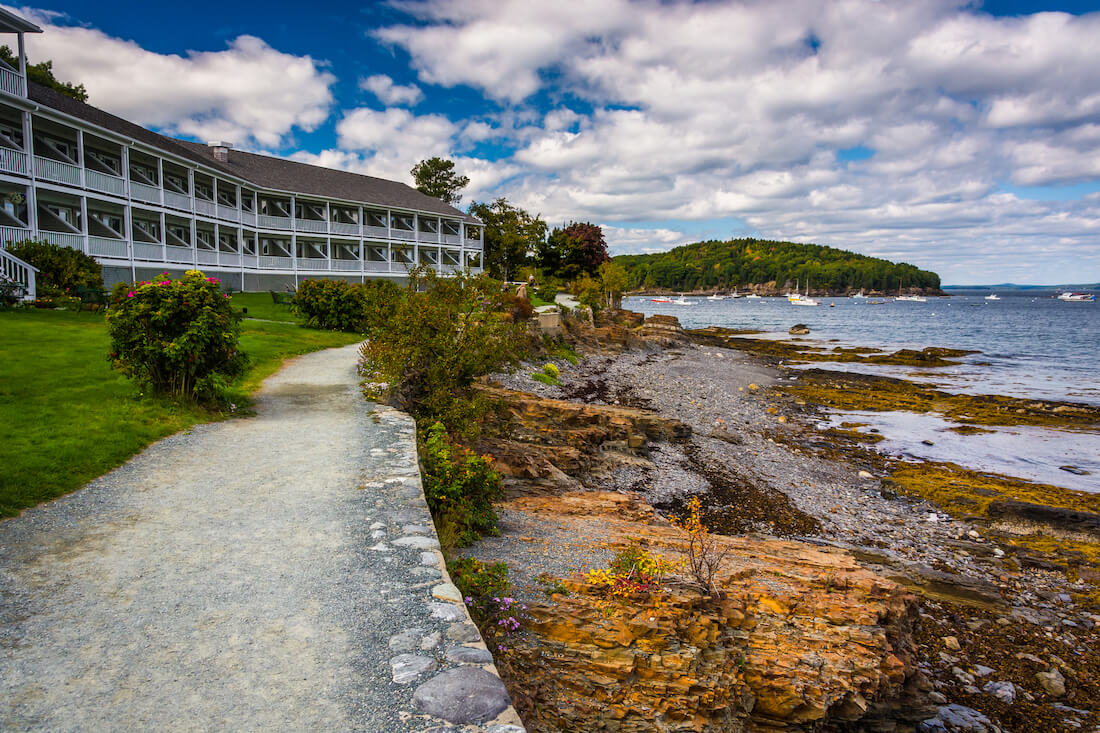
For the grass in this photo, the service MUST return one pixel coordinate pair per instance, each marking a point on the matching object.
(66, 417)
(260, 305)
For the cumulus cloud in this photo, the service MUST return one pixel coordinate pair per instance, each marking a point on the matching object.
(391, 94)
(247, 93)
(698, 111)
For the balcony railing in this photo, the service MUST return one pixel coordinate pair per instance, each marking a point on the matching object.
(250, 261)
(177, 200)
(146, 251)
(12, 82)
(311, 225)
(346, 265)
(228, 212)
(312, 263)
(273, 222)
(270, 262)
(202, 206)
(179, 254)
(452, 239)
(105, 183)
(107, 247)
(64, 239)
(408, 234)
(144, 192)
(13, 234)
(249, 218)
(375, 266)
(13, 161)
(339, 227)
(56, 170)
(229, 259)
(376, 232)
(206, 257)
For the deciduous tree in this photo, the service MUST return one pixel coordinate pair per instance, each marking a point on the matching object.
(437, 177)
(511, 234)
(576, 249)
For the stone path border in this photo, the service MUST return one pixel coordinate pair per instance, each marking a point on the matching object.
(274, 572)
(443, 655)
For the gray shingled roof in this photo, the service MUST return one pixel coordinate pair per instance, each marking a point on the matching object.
(261, 170)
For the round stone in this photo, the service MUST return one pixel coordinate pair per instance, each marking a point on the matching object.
(463, 695)
(407, 667)
(468, 655)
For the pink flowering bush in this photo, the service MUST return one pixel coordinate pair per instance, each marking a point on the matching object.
(176, 337)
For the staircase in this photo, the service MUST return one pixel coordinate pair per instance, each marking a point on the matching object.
(15, 270)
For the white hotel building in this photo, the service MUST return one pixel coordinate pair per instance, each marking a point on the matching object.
(142, 203)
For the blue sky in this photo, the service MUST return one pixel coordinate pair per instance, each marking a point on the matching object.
(961, 137)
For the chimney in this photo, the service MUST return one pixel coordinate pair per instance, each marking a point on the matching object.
(221, 151)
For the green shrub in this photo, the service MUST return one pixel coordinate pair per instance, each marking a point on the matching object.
(562, 350)
(478, 580)
(176, 337)
(61, 270)
(334, 305)
(442, 334)
(460, 487)
(547, 293)
(551, 370)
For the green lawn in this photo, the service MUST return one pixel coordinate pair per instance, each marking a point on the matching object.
(260, 305)
(66, 417)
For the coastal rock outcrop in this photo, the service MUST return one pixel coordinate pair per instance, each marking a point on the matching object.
(804, 636)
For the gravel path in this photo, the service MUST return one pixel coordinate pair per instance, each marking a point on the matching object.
(233, 577)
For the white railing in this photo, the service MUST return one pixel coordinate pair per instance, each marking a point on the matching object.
(202, 206)
(452, 239)
(403, 234)
(64, 239)
(13, 161)
(105, 183)
(55, 170)
(229, 259)
(375, 232)
(311, 225)
(179, 254)
(250, 261)
(273, 222)
(228, 212)
(13, 234)
(312, 263)
(177, 200)
(346, 265)
(206, 257)
(12, 82)
(270, 262)
(248, 217)
(426, 236)
(144, 192)
(16, 270)
(339, 227)
(107, 247)
(146, 251)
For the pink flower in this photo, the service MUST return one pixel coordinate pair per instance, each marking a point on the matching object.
(130, 294)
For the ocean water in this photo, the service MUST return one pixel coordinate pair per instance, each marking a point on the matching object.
(1031, 345)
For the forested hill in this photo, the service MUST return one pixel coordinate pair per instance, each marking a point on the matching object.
(746, 262)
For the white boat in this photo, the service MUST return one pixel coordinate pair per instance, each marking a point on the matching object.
(801, 300)
(993, 296)
(860, 294)
(912, 298)
(752, 296)
(716, 296)
(681, 300)
(660, 300)
(1077, 297)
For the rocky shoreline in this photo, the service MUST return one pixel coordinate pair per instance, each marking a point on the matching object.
(1006, 633)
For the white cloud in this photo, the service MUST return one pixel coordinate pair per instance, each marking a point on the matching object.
(391, 94)
(248, 93)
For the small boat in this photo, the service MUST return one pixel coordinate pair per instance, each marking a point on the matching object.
(912, 298)
(1077, 297)
(660, 300)
(860, 295)
(993, 296)
(802, 300)
(716, 296)
(681, 300)
(752, 296)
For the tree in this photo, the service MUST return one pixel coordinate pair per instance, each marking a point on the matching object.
(511, 234)
(436, 177)
(42, 73)
(613, 280)
(578, 248)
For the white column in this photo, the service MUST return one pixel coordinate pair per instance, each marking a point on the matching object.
(128, 225)
(163, 237)
(194, 244)
(84, 224)
(28, 147)
(23, 62)
(80, 156)
(160, 180)
(126, 168)
(416, 240)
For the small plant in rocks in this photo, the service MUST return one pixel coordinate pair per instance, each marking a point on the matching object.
(460, 487)
(485, 590)
(705, 555)
(176, 337)
(634, 570)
